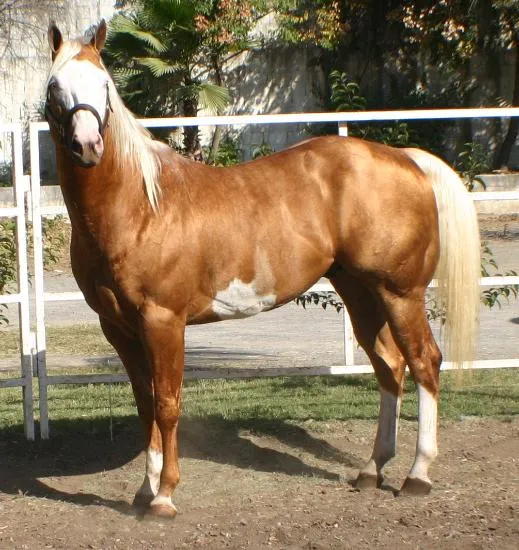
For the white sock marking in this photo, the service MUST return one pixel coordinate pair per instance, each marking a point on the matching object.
(150, 485)
(163, 501)
(426, 446)
(384, 448)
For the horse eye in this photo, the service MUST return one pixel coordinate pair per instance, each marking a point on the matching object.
(51, 88)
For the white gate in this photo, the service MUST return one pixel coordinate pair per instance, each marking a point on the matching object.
(21, 296)
(39, 211)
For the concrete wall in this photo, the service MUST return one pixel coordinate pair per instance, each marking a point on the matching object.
(25, 61)
(276, 79)
(24, 66)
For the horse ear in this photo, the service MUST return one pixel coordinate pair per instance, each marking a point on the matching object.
(55, 39)
(99, 38)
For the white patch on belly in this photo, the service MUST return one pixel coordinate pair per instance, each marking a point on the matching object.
(240, 300)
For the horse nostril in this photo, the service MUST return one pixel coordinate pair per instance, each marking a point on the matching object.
(76, 147)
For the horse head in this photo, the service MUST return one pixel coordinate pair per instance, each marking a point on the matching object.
(77, 104)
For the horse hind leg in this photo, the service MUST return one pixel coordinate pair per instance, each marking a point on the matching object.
(411, 331)
(373, 334)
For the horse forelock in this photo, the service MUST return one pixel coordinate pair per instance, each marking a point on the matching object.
(133, 147)
(69, 50)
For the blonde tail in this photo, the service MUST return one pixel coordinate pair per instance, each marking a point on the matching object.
(459, 267)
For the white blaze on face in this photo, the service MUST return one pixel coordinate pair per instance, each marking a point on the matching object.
(240, 300)
(80, 81)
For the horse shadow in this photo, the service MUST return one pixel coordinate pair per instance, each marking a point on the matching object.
(82, 447)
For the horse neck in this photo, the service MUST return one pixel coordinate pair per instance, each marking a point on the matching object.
(101, 200)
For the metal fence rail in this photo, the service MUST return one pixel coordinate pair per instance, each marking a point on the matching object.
(39, 211)
(21, 297)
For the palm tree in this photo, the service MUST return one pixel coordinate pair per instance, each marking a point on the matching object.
(153, 51)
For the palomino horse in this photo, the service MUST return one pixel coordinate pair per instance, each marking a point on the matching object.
(159, 241)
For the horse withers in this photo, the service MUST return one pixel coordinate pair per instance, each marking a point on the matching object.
(160, 241)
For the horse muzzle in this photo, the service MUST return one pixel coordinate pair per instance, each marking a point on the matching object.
(80, 131)
(84, 141)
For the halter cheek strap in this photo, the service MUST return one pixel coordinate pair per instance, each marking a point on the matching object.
(62, 123)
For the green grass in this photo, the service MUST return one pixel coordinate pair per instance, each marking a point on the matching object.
(83, 340)
(261, 403)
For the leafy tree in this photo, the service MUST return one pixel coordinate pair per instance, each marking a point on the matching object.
(401, 51)
(25, 20)
(167, 55)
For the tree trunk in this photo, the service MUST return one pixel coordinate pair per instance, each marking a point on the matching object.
(192, 146)
(217, 135)
(503, 153)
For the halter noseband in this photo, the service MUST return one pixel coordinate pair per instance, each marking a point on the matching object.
(61, 123)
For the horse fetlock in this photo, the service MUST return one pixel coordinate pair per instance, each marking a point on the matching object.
(367, 480)
(142, 500)
(370, 476)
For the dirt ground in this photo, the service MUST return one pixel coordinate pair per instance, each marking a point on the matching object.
(286, 491)
(291, 489)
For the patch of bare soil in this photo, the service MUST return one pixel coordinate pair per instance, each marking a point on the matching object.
(288, 488)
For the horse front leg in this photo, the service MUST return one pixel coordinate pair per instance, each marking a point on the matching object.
(163, 337)
(132, 354)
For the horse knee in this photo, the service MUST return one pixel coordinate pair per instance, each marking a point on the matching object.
(167, 411)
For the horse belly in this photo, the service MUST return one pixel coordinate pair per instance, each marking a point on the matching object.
(241, 300)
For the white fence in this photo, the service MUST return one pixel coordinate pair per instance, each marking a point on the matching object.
(41, 297)
(21, 297)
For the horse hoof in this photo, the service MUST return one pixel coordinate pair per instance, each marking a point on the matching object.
(161, 511)
(415, 486)
(368, 481)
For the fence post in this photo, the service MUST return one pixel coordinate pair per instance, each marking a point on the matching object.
(23, 284)
(343, 129)
(41, 365)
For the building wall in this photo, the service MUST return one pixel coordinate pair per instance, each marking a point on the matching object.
(271, 80)
(24, 65)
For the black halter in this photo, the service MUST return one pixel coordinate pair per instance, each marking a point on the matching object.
(61, 123)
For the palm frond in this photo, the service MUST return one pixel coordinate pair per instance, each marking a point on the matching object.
(122, 24)
(169, 13)
(123, 76)
(158, 67)
(212, 97)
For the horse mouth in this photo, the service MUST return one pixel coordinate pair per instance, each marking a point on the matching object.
(80, 161)
(86, 154)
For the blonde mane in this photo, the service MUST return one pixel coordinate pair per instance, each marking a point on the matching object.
(132, 143)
